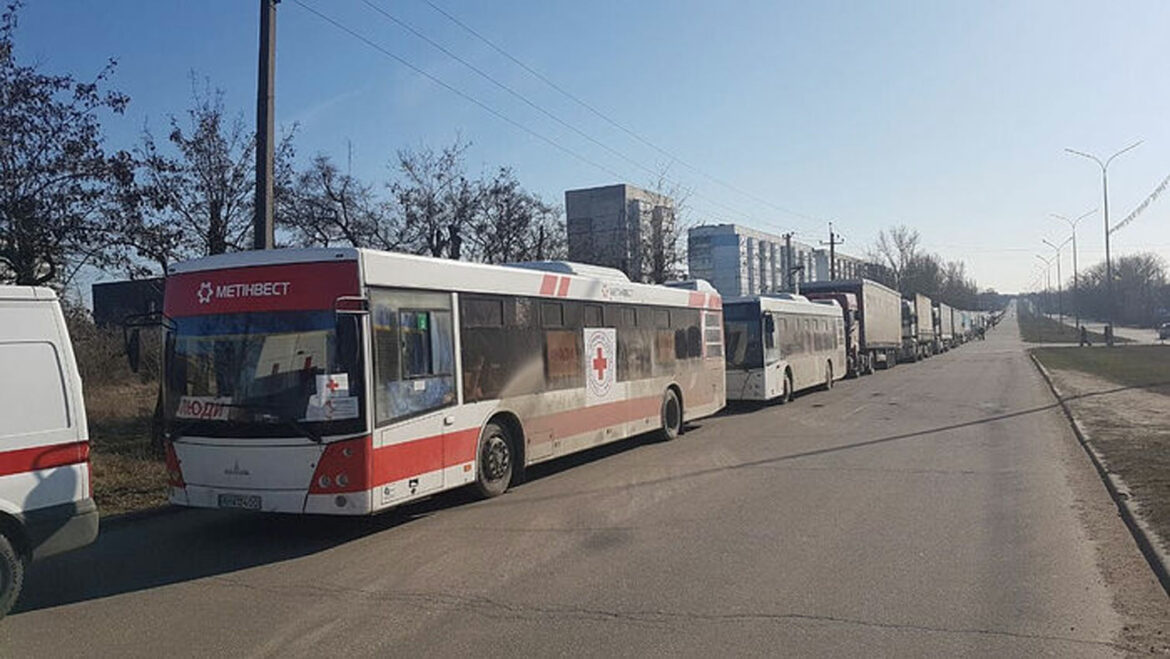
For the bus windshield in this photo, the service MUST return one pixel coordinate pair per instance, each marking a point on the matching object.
(273, 374)
(743, 343)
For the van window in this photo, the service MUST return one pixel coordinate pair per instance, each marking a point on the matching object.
(32, 389)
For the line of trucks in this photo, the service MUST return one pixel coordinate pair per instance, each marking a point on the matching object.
(882, 328)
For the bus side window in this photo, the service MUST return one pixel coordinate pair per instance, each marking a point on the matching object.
(414, 360)
(593, 315)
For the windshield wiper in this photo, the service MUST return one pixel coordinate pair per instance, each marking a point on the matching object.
(301, 428)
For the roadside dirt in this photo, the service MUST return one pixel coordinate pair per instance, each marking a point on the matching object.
(1130, 428)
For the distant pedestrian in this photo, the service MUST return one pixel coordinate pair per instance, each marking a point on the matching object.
(1085, 337)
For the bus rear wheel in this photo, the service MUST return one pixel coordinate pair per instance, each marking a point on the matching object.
(828, 376)
(496, 460)
(672, 417)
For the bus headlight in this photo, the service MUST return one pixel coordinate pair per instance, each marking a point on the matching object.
(323, 482)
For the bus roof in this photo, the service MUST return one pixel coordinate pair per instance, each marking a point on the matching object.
(792, 304)
(541, 279)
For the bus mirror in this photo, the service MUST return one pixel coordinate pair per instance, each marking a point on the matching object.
(134, 349)
(347, 337)
(769, 324)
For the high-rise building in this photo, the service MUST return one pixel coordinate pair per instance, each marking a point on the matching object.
(742, 261)
(623, 227)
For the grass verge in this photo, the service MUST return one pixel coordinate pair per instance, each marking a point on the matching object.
(1128, 426)
(1042, 329)
(127, 476)
(1146, 366)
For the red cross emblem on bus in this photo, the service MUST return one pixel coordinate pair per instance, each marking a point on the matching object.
(332, 385)
(600, 363)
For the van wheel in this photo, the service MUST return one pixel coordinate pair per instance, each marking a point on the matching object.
(671, 416)
(828, 376)
(11, 576)
(495, 462)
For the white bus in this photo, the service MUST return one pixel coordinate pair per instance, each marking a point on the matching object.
(780, 344)
(348, 381)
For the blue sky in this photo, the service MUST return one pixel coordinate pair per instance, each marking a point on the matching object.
(950, 117)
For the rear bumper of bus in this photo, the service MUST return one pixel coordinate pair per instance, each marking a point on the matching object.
(272, 501)
(749, 385)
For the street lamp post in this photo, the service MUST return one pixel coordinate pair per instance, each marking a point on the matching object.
(1047, 281)
(1105, 195)
(1076, 284)
(1059, 278)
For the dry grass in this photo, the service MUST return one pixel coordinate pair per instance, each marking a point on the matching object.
(127, 475)
(1121, 397)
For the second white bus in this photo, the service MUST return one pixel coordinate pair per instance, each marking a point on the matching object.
(777, 345)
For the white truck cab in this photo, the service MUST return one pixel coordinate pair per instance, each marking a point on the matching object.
(46, 498)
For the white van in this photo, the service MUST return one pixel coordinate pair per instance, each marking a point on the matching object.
(46, 498)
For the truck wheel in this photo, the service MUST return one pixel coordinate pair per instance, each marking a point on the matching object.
(11, 576)
(494, 464)
(672, 418)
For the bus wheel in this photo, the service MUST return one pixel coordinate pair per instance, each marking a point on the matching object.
(671, 416)
(786, 396)
(828, 376)
(496, 457)
(11, 575)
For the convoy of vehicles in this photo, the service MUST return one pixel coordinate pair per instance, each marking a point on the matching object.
(46, 504)
(780, 344)
(350, 381)
(873, 319)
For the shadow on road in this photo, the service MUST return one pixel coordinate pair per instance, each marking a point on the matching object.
(192, 544)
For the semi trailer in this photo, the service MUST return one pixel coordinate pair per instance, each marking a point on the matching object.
(873, 314)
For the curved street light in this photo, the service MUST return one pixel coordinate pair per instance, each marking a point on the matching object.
(1105, 195)
(1072, 224)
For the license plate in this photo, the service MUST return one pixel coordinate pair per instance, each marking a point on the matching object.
(245, 501)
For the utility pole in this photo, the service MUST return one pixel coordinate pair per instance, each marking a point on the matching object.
(1105, 194)
(263, 231)
(788, 261)
(834, 240)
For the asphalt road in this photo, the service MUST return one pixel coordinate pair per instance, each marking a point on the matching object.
(937, 508)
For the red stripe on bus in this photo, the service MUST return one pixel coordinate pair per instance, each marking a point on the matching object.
(398, 461)
(587, 419)
(563, 290)
(696, 300)
(714, 301)
(35, 458)
(414, 458)
(548, 285)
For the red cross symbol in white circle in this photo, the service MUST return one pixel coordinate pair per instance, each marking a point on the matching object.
(600, 363)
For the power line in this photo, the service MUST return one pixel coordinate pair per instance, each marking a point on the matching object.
(529, 102)
(613, 122)
(457, 92)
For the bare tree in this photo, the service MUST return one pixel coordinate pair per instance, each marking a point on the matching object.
(55, 176)
(512, 224)
(897, 249)
(435, 199)
(662, 246)
(324, 206)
